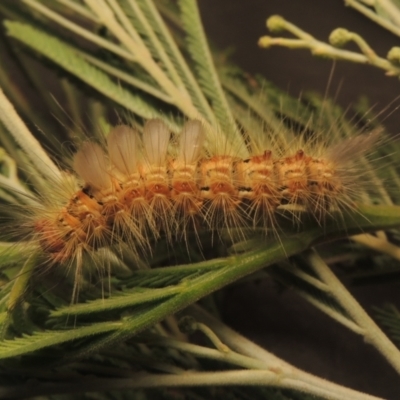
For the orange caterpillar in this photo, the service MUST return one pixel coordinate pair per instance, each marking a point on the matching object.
(147, 186)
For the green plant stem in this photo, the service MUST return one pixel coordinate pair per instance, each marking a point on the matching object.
(25, 139)
(217, 273)
(371, 332)
(391, 8)
(235, 268)
(337, 316)
(21, 282)
(192, 83)
(316, 47)
(11, 182)
(66, 23)
(128, 78)
(377, 243)
(149, 32)
(205, 65)
(306, 277)
(271, 362)
(16, 251)
(373, 16)
(322, 49)
(17, 189)
(144, 380)
(119, 302)
(228, 356)
(212, 337)
(143, 57)
(75, 7)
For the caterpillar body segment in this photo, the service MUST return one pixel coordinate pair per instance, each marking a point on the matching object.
(135, 218)
(259, 188)
(154, 174)
(185, 179)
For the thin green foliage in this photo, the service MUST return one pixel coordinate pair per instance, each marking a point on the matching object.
(39, 340)
(65, 56)
(207, 75)
(177, 59)
(172, 299)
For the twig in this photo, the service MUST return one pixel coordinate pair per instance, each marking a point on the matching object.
(371, 332)
(285, 372)
(373, 16)
(26, 140)
(244, 378)
(377, 243)
(338, 38)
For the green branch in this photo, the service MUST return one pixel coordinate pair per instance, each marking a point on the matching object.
(338, 38)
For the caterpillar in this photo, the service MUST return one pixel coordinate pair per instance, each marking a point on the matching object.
(138, 187)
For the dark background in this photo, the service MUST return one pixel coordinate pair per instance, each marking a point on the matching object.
(281, 321)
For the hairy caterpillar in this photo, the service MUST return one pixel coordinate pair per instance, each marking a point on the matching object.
(139, 187)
